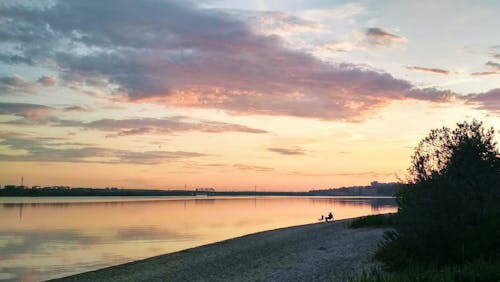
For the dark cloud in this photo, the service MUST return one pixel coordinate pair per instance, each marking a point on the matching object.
(165, 125)
(28, 111)
(11, 59)
(428, 70)
(76, 109)
(252, 167)
(433, 95)
(14, 84)
(379, 37)
(153, 157)
(46, 150)
(495, 69)
(489, 101)
(182, 55)
(493, 65)
(287, 151)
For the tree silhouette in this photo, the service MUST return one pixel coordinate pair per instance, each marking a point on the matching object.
(449, 209)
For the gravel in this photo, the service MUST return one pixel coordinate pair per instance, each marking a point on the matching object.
(314, 252)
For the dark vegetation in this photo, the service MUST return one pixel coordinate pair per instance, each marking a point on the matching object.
(374, 189)
(377, 220)
(22, 191)
(479, 270)
(19, 191)
(448, 223)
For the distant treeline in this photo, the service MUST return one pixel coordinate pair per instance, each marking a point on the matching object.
(20, 191)
(23, 191)
(375, 189)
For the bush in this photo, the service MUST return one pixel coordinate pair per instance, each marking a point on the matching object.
(449, 210)
(478, 271)
(378, 220)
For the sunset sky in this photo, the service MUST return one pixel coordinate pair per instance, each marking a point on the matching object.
(284, 95)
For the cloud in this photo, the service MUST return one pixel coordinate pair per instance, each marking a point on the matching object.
(76, 109)
(28, 111)
(495, 69)
(364, 40)
(181, 55)
(11, 59)
(485, 73)
(435, 95)
(489, 101)
(277, 23)
(153, 157)
(428, 70)
(378, 37)
(47, 80)
(340, 13)
(252, 167)
(50, 150)
(287, 151)
(15, 84)
(372, 174)
(493, 65)
(342, 46)
(496, 56)
(166, 125)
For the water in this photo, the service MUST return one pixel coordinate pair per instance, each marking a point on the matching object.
(50, 237)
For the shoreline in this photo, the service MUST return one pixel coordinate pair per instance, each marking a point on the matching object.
(311, 252)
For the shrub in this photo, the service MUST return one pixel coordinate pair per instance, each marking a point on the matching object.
(448, 212)
(377, 220)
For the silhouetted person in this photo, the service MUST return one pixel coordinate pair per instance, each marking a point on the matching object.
(321, 218)
(329, 217)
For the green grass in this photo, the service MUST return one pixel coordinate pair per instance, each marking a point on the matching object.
(477, 271)
(378, 220)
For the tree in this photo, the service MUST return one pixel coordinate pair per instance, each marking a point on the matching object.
(448, 209)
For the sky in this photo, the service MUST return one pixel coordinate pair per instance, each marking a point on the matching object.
(237, 95)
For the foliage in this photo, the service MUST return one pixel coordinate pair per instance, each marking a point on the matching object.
(377, 220)
(478, 271)
(449, 211)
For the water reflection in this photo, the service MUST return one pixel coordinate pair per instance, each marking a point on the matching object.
(45, 238)
(375, 203)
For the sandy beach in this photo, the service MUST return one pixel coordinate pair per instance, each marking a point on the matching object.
(313, 252)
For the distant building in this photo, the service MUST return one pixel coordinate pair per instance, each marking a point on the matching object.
(13, 187)
(204, 191)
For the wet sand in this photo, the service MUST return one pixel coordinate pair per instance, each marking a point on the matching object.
(313, 252)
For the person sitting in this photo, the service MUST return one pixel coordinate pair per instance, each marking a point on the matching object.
(329, 217)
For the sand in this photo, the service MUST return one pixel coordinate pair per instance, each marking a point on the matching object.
(313, 252)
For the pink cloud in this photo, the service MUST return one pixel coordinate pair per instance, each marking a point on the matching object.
(183, 55)
(429, 70)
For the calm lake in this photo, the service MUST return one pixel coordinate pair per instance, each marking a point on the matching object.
(50, 237)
